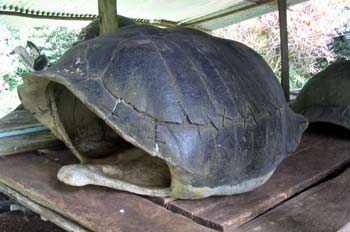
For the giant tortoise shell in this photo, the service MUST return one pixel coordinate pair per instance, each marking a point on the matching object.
(92, 30)
(165, 112)
(326, 96)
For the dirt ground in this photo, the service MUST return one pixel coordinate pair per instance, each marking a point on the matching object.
(18, 221)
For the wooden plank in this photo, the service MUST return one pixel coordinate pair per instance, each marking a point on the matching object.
(27, 142)
(323, 208)
(18, 119)
(317, 157)
(20, 132)
(96, 208)
(61, 156)
(282, 12)
(44, 212)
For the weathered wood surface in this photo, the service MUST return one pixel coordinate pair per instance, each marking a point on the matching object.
(323, 208)
(317, 157)
(98, 209)
(61, 156)
(20, 132)
(27, 142)
(18, 119)
(44, 212)
(107, 11)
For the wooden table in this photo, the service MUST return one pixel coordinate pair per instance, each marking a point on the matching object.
(310, 191)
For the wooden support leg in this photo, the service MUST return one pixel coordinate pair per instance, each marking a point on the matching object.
(107, 10)
(282, 9)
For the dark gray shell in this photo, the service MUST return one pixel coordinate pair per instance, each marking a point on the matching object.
(92, 30)
(211, 108)
(326, 96)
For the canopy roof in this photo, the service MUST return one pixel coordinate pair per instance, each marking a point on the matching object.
(202, 14)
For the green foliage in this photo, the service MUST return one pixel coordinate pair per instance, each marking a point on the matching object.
(296, 79)
(340, 45)
(12, 80)
(53, 43)
(311, 27)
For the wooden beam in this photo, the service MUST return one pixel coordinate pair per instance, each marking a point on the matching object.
(282, 11)
(107, 11)
(57, 16)
(235, 11)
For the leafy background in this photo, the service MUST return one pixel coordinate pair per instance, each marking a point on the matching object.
(52, 41)
(319, 34)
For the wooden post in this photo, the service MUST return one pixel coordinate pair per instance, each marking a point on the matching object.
(282, 10)
(107, 11)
